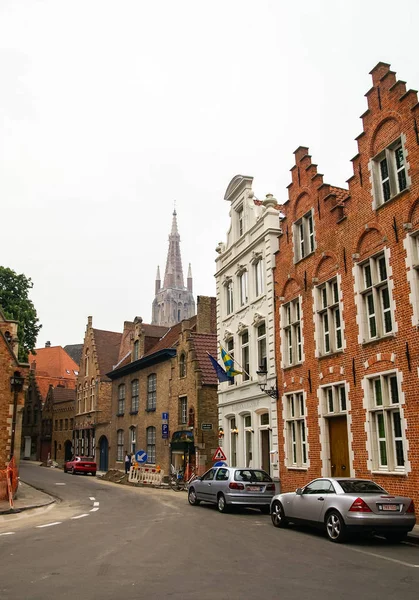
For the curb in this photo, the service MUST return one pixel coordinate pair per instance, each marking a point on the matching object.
(15, 511)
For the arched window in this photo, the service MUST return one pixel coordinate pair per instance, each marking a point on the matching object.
(86, 364)
(120, 445)
(151, 445)
(79, 399)
(85, 396)
(151, 391)
(121, 399)
(92, 394)
(182, 365)
(135, 397)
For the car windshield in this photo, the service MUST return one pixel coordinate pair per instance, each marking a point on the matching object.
(251, 475)
(360, 487)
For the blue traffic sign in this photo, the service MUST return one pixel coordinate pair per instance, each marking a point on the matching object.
(165, 416)
(141, 456)
(165, 431)
(220, 463)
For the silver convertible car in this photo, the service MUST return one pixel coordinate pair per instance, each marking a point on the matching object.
(343, 506)
(227, 486)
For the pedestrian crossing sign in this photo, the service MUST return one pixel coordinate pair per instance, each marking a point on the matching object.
(219, 455)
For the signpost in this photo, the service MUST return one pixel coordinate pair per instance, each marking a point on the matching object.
(165, 431)
(141, 456)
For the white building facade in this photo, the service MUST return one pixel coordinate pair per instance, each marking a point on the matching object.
(245, 328)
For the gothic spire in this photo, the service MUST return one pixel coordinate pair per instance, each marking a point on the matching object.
(173, 276)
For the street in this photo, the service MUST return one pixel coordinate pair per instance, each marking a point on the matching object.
(107, 541)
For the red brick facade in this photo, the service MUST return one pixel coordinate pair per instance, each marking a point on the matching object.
(347, 306)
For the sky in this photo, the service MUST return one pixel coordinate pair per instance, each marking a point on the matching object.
(112, 111)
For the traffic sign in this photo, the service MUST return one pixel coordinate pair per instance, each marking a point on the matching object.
(165, 431)
(141, 456)
(165, 417)
(206, 426)
(219, 455)
(220, 463)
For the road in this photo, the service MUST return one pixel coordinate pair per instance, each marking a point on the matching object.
(150, 544)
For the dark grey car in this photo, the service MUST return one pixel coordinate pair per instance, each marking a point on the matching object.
(346, 505)
(228, 486)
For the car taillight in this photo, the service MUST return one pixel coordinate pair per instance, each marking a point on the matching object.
(270, 487)
(360, 506)
(411, 508)
(236, 486)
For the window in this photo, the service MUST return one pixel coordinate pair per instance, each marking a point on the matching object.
(320, 486)
(222, 475)
(243, 288)
(79, 399)
(304, 242)
(151, 391)
(92, 394)
(329, 317)
(182, 366)
(136, 351)
(240, 221)
(334, 399)
(229, 297)
(183, 410)
(56, 425)
(264, 419)
(71, 423)
(120, 445)
(261, 343)
(151, 445)
(386, 426)
(296, 436)
(86, 364)
(85, 396)
(121, 399)
(389, 173)
(132, 439)
(259, 287)
(61, 424)
(135, 396)
(292, 346)
(378, 319)
(209, 475)
(248, 441)
(66, 424)
(230, 350)
(245, 355)
(233, 443)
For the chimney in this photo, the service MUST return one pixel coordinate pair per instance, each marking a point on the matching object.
(206, 315)
(48, 344)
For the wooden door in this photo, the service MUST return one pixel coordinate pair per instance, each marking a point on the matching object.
(339, 451)
(265, 443)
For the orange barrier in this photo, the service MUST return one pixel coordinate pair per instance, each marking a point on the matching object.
(9, 482)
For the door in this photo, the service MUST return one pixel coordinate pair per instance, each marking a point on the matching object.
(205, 486)
(339, 450)
(309, 506)
(103, 449)
(28, 447)
(68, 451)
(265, 451)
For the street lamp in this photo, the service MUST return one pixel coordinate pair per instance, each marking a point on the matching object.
(263, 382)
(16, 386)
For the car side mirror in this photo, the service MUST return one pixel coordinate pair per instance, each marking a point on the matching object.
(197, 478)
(299, 492)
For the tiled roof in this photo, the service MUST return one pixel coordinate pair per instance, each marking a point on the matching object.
(203, 343)
(44, 383)
(75, 352)
(53, 366)
(107, 350)
(152, 334)
(169, 340)
(61, 394)
(340, 193)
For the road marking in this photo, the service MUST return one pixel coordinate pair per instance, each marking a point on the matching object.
(94, 509)
(8, 533)
(60, 484)
(80, 516)
(400, 562)
(95, 503)
(91, 498)
(49, 524)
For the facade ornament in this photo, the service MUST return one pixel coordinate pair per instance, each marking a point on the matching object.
(227, 335)
(257, 319)
(240, 269)
(241, 327)
(270, 201)
(220, 248)
(256, 257)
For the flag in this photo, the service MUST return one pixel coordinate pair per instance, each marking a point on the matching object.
(229, 364)
(221, 374)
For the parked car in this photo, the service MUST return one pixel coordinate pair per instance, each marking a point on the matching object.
(233, 486)
(80, 464)
(345, 506)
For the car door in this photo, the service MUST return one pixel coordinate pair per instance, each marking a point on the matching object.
(220, 483)
(204, 492)
(309, 506)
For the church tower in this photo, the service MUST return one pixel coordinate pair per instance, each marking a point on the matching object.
(173, 302)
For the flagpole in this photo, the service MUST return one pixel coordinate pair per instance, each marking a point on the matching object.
(236, 362)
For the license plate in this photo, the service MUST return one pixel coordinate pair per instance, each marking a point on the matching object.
(253, 488)
(392, 507)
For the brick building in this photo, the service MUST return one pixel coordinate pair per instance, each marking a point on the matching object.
(13, 375)
(347, 306)
(59, 408)
(175, 376)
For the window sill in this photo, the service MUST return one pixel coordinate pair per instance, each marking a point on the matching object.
(297, 468)
(120, 414)
(304, 257)
(389, 336)
(330, 355)
(150, 410)
(133, 412)
(390, 200)
(392, 473)
(293, 366)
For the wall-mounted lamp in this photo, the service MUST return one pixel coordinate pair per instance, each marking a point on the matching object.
(263, 382)
(235, 431)
(220, 432)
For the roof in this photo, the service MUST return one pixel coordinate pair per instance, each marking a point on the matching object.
(53, 366)
(340, 193)
(204, 343)
(61, 394)
(107, 350)
(75, 352)
(169, 340)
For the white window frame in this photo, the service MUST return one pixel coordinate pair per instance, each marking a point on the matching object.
(335, 399)
(229, 292)
(389, 177)
(243, 281)
(376, 298)
(292, 341)
(151, 445)
(230, 350)
(121, 399)
(259, 278)
(261, 341)
(329, 317)
(296, 430)
(183, 410)
(304, 236)
(135, 395)
(119, 445)
(151, 392)
(240, 221)
(245, 354)
(132, 439)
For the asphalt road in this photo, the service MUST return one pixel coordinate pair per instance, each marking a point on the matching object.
(104, 541)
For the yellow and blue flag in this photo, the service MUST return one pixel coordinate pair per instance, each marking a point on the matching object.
(221, 374)
(229, 364)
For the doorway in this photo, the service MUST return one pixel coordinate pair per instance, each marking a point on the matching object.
(103, 453)
(68, 454)
(339, 450)
(265, 451)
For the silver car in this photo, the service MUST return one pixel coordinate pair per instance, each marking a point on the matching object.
(346, 505)
(228, 486)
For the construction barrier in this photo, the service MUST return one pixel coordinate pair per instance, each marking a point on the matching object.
(145, 475)
(9, 482)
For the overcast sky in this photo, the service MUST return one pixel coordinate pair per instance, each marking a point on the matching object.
(111, 110)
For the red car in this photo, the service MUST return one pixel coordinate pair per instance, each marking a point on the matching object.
(80, 464)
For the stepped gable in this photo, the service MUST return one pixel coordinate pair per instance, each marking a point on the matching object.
(107, 344)
(203, 343)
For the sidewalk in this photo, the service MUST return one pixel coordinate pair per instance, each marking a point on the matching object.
(27, 497)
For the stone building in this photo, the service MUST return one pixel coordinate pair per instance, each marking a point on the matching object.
(13, 380)
(161, 399)
(58, 416)
(173, 302)
(245, 327)
(347, 300)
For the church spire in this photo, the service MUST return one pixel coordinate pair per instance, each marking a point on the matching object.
(173, 276)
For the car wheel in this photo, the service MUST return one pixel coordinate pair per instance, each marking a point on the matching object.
(65, 470)
(395, 538)
(277, 515)
(265, 510)
(94, 473)
(222, 504)
(335, 527)
(192, 499)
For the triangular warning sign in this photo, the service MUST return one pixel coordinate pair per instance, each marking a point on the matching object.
(219, 455)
